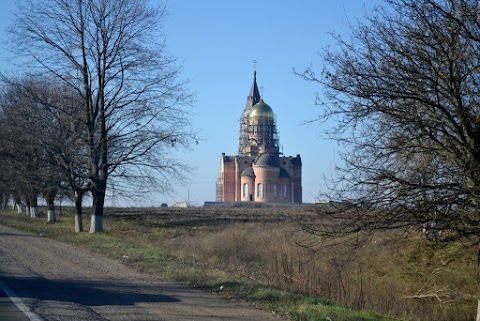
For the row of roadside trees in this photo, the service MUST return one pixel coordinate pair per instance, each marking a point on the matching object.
(100, 103)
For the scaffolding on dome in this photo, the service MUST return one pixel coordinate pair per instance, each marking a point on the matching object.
(258, 136)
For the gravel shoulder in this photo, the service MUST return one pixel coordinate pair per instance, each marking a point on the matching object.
(58, 281)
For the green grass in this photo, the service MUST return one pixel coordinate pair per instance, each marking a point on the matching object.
(141, 248)
(295, 306)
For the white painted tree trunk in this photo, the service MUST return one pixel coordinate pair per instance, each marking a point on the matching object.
(34, 211)
(478, 311)
(78, 223)
(78, 211)
(20, 208)
(96, 223)
(51, 216)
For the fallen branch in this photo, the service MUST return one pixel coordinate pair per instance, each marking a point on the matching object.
(436, 294)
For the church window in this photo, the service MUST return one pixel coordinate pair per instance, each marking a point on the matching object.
(275, 190)
(245, 190)
(285, 191)
(260, 190)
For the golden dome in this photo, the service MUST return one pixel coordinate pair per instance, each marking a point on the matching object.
(261, 110)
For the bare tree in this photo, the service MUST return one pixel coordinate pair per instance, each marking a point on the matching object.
(112, 55)
(30, 141)
(404, 90)
(21, 153)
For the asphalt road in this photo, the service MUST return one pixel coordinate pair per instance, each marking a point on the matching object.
(9, 311)
(56, 281)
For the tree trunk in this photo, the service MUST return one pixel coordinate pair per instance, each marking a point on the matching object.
(51, 218)
(4, 200)
(478, 311)
(34, 211)
(27, 207)
(50, 198)
(98, 195)
(78, 214)
(17, 205)
(20, 207)
(96, 223)
(34, 206)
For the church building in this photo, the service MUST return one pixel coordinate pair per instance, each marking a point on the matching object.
(259, 173)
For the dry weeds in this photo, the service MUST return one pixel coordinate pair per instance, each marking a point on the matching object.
(393, 273)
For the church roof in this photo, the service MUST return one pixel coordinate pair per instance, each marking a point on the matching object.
(254, 95)
(267, 159)
(248, 172)
(284, 173)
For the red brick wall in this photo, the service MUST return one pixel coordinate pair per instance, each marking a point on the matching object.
(233, 166)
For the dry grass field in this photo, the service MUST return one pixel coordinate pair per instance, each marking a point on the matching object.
(397, 274)
(261, 254)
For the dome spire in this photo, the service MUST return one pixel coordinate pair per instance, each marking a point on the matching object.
(252, 99)
(254, 94)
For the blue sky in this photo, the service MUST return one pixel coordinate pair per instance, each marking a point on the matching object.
(217, 42)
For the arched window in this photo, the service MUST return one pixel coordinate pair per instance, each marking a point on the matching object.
(260, 190)
(245, 190)
(285, 191)
(274, 190)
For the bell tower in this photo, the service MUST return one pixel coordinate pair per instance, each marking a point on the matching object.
(258, 132)
(252, 99)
